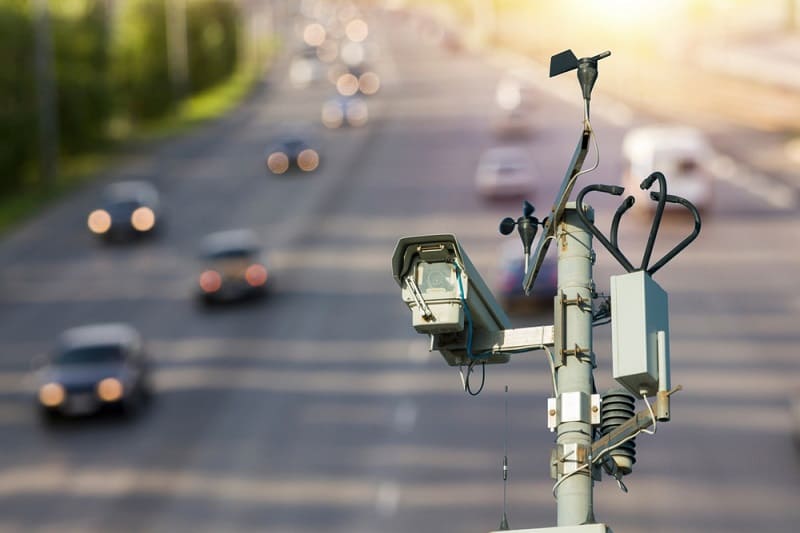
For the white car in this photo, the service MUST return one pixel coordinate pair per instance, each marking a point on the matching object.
(505, 171)
(681, 153)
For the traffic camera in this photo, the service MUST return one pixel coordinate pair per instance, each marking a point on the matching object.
(448, 298)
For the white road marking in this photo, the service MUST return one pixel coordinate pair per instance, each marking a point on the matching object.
(755, 183)
(387, 499)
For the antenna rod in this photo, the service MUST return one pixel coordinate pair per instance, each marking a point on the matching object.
(504, 520)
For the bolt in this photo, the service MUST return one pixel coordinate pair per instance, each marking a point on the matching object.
(594, 408)
(552, 412)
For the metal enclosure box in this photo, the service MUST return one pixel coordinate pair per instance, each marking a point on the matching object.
(639, 310)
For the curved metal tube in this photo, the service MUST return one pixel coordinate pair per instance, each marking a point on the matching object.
(685, 242)
(627, 203)
(662, 199)
(613, 250)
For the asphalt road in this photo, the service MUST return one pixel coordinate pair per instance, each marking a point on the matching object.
(320, 409)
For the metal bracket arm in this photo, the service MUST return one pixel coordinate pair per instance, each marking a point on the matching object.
(515, 340)
(642, 420)
(557, 211)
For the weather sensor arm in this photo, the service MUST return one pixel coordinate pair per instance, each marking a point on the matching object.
(558, 208)
(587, 75)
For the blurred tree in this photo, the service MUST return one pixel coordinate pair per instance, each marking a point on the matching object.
(17, 95)
(140, 70)
(213, 35)
(82, 73)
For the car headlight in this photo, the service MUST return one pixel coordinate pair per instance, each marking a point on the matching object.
(347, 84)
(369, 83)
(52, 395)
(357, 113)
(99, 221)
(332, 115)
(109, 390)
(255, 275)
(308, 160)
(210, 281)
(143, 219)
(278, 162)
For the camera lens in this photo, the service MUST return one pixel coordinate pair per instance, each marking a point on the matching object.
(437, 276)
(437, 280)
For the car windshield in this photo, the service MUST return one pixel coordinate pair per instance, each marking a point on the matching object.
(230, 254)
(123, 206)
(89, 355)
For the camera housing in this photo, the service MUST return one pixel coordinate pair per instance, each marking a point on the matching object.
(437, 279)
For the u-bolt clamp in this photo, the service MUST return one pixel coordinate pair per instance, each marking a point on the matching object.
(688, 239)
(612, 248)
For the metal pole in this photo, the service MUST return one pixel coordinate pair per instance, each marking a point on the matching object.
(574, 375)
(46, 96)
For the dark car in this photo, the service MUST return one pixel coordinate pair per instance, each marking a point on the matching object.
(93, 368)
(343, 111)
(233, 267)
(292, 152)
(508, 277)
(128, 209)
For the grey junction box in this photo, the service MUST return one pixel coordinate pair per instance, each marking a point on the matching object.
(639, 310)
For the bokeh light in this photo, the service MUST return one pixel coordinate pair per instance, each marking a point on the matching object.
(99, 221)
(308, 160)
(356, 30)
(347, 84)
(143, 219)
(278, 162)
(369, 83)
(314, 34)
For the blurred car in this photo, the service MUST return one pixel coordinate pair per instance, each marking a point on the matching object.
(508, 274)
(505, 171)
(94, 367)
(512, 116)
(305, 71)
(344, 111)
(512, 123)
(233, 267)
(292, 152)
(681, 153)
(128, 209)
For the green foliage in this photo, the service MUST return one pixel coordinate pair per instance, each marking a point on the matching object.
(80, 42)
(110, 72)
(17, 96)
(213, 36)
(140, 67)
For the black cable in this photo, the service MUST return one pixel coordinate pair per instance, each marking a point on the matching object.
(469, 374)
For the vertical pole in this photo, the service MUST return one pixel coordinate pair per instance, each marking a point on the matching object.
(177, 47)
(574, 376)
(46, 96)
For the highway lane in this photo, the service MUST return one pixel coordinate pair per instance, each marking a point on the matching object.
(321, 409)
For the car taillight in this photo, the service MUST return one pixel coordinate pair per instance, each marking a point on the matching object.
(210, 281)
(255, 275)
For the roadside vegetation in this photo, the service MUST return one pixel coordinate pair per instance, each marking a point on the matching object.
(113, 83)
